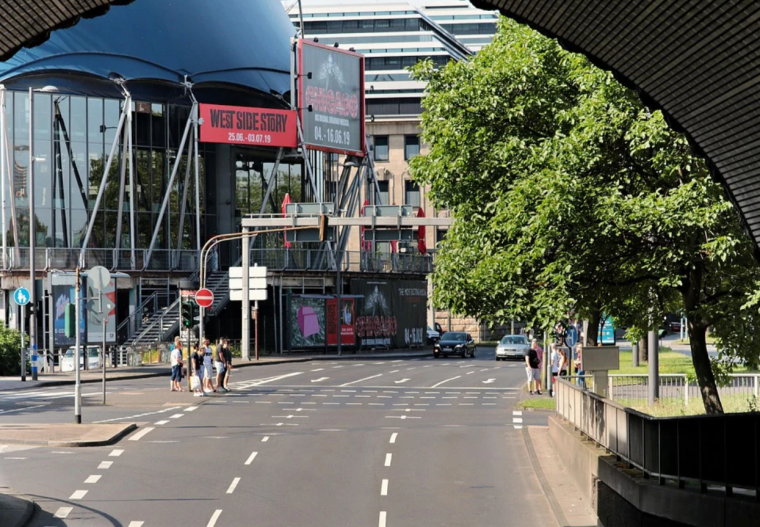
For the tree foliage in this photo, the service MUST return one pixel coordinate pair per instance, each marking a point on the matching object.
(10, 351)
(569, 194)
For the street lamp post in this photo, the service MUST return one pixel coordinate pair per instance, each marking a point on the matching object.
(32, 292)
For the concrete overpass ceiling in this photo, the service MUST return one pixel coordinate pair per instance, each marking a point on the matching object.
(27, 23)
(696, 60)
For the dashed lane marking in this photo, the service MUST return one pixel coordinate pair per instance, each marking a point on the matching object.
(252, 457)
(384, 488)
(394, 435)
(265, 439)
(160, 422)
(214, 518)
(233, 485)
(93, 479)
(105, 465)
(360, 380)
(139, 415)
(62, 512)
(136, 524)
(191, 408)
(142, 433)
(116, 453)
(78, 495)
(381, 521)
(388, 459)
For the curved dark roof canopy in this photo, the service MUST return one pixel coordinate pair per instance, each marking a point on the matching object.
(232, 43)
(25, 23)
(696, 60)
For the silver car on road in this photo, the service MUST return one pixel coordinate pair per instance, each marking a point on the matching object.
(512, 347)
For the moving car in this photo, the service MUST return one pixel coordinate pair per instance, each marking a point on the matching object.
(512, 347)
(93, 359)
(432, 335)
(454, 343)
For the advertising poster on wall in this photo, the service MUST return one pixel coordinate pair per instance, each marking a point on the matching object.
(392, 313)
(239, 125)
(331, 98)
(62, 295)
(306, 320)
(343, 317)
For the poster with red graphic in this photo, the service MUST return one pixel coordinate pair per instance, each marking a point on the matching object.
(240, 125)
(343, 318)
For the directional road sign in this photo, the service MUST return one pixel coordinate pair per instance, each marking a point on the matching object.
(204, 298)
(21, 296)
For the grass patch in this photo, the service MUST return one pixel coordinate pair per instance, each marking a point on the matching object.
(539, 403)
(673, 407)
(670, 362)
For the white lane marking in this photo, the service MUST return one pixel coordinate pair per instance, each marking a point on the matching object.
(263, 402)
(266, 380)
(20, 409)
(362, 396)
(63, 512)
(394, 435)
(388, 459)
(337, 367)
(398, 360)
(447, 380)
(15, 458)
(402, 381)
(320, 379)
(376, 404)
(160, 422)
(138, 415)
(191, 408)
(402, 417)
(318, 369)
(384, 488)
(233, 485)
(470, 372)
(443, 404)
(105, 465)
(394, 371)
(489, 404)
(93, 479)
(489, 381)
(485, 369)
(354, 404)
(252, 457)
(136, 524)
(78, 495)
(517, 420)
(116, 453)
(381, 522)
(516, 412)
(139, 435)
(265, 439)
(214, 517)
(518, 427)
(360, 380)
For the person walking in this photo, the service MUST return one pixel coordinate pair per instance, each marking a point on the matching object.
(176, 361)
(228, 358)
(563, 362)
(197, 363)
(208, 372)
(221, 367)
(532, 365)
(579, 366)
(555, 360)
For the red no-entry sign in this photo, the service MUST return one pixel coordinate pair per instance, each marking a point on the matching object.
(204, 298)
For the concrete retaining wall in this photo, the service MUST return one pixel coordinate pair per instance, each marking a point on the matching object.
(622, 499)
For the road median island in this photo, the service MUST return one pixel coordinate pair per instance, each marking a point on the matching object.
(64, 435)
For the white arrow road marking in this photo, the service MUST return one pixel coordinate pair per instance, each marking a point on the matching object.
(489, 381)
(402, 381)
(320, 379)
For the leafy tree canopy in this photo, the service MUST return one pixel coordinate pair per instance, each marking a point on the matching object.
(570, 195)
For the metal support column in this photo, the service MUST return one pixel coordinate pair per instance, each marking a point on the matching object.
(654, 367)
(2, 173)
(245, 338)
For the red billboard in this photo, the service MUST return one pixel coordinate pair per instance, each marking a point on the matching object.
(248, 126)
(343, 318)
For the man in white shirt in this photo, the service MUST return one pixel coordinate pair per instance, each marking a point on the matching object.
(176, 360)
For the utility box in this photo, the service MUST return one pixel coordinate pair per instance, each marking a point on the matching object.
(600, 360)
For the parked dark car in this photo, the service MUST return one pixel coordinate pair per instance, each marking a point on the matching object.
(455, 343)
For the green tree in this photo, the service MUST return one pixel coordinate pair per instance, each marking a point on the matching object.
(569, 194)
(10, 351)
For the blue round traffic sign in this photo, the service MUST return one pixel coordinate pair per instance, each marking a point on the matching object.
(571, 337)
(21, 296)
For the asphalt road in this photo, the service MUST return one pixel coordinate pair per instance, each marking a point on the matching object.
(325, 444)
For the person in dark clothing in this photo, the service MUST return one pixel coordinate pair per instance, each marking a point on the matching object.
(228, 360)
(197, 362)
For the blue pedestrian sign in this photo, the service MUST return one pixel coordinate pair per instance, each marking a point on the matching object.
(571, 336)
(21, 296)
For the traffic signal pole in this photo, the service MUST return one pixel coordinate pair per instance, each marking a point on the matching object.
(77, 354)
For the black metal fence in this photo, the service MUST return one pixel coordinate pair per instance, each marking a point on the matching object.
(717, 451)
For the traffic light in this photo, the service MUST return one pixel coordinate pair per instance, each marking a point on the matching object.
(190, 313)
(70, 320)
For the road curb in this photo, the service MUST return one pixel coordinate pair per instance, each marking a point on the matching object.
(16, 510)
(554, 505)
(77, 444)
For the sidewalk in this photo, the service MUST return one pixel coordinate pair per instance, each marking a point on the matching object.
(164, 370)
(565, 499)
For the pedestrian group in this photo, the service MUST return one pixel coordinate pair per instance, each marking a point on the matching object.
(202, 363)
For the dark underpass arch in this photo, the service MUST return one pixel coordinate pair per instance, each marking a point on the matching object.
(696, 60)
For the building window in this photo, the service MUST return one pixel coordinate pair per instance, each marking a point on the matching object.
(381, 148)
(411, 146)
(385, 196)
(411, 193)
